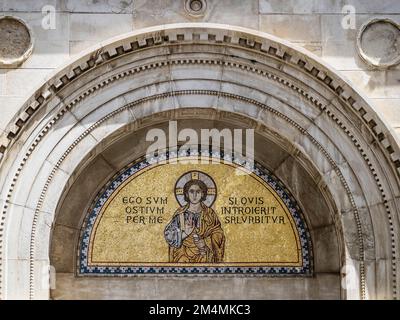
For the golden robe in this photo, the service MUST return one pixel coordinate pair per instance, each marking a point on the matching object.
(209, 229)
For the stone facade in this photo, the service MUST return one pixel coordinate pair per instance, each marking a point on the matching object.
(334, 140)
(80, 25)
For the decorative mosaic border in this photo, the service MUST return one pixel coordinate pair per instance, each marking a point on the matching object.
(83, 269)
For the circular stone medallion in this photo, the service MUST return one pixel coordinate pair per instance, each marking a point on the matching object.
(16, 41)
(378, 43)
(195, 8)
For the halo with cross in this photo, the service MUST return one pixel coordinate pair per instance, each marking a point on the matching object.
(196, 175)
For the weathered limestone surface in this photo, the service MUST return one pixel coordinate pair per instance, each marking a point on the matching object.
(314, 25)
(194, 288)
(15, 40)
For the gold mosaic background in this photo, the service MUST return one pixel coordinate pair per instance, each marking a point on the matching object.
(121, 237)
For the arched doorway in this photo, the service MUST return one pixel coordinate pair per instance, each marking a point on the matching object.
(323, 278)
(331, 150)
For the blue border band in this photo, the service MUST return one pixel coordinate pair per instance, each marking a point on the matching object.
(306, 247)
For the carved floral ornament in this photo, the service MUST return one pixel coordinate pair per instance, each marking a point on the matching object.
(270, 49)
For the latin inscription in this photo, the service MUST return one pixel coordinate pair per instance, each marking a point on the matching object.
(194, 215)
(150, 210)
